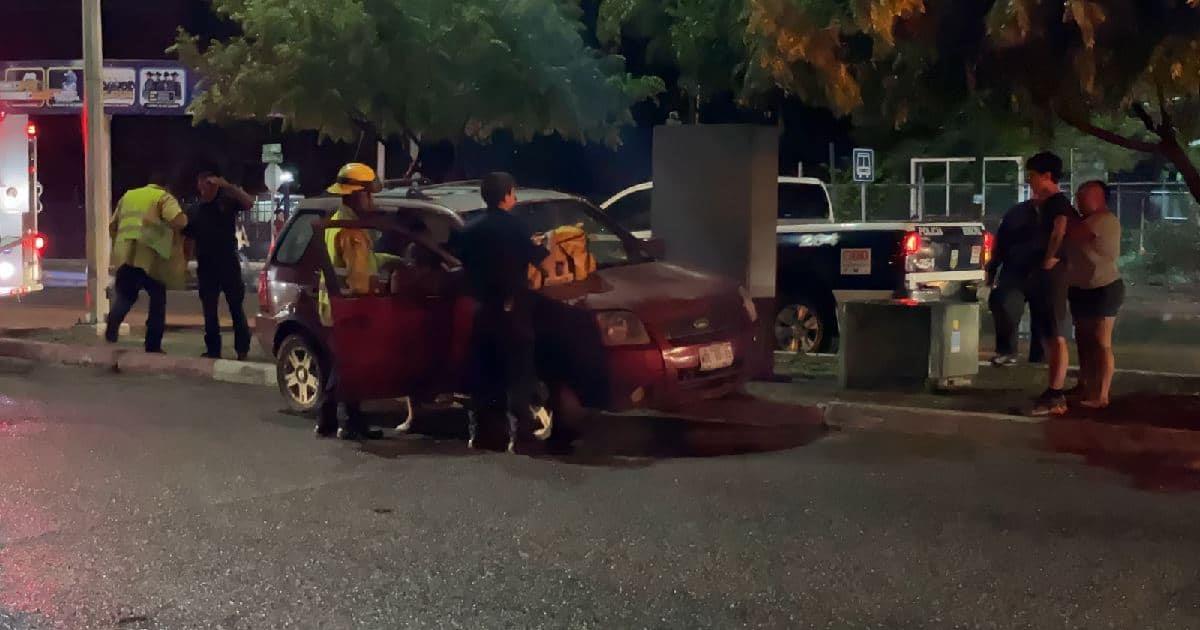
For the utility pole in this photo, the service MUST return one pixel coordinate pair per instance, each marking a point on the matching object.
(96, 165)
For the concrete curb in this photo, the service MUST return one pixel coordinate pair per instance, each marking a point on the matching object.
(120, 359)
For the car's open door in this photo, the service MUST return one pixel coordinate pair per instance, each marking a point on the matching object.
(394, 342)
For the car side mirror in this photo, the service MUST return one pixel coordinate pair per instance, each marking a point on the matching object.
(655, 247)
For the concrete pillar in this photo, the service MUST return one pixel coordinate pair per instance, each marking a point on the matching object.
(715, 205)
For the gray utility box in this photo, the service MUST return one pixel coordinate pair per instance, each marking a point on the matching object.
(897, 344)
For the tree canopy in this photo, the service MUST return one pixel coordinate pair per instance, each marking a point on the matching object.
(434, 68)
(908, 65)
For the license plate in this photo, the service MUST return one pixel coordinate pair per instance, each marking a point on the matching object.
(716, 356)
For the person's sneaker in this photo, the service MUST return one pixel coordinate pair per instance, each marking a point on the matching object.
(546, 419)
(1050, 403)
(359, 434)
(1004, 360)
(323, 431)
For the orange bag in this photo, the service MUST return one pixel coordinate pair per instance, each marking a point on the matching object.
(569, 259)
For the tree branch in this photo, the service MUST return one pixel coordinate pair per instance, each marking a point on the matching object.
(1112, 137)
(1139, 110)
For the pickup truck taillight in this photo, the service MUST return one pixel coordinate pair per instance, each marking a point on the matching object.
(912, 243)
(989, 241)
(264, 293)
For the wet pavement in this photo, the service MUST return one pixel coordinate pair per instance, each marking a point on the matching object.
(143, 502)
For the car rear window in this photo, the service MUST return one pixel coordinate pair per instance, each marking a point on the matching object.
(295, 239)
(633, 210)
(802, 201)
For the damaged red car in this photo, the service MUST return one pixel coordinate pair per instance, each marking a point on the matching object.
(621, 330)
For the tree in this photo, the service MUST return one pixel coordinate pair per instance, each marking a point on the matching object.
(434, 69)
(1076, 62)
(1022, 68)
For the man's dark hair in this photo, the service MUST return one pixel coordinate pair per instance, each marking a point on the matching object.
(1047, 163)
(1096, 182)
(495, 187)
(207, 169)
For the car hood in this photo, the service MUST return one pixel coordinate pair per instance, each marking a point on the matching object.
(652, 290)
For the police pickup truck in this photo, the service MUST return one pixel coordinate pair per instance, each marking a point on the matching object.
(822, 263)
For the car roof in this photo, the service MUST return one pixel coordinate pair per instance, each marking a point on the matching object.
(465, 196)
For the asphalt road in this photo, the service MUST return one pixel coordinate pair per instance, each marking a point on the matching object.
(142, 502)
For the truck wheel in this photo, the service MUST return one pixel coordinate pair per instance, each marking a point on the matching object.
(800, 326)
(301, 374)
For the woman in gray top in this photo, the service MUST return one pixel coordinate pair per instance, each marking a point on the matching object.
(1096, 290)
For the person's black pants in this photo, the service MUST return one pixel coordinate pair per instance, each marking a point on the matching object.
(327, 418)
(129, 281)
(215, 280)
(504, 373)
(1007, 304)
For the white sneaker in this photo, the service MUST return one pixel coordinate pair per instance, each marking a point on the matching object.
(406, 426)
(546, 419)
(1004, 360)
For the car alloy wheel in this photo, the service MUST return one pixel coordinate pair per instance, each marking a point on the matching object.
(301, 375)
(799, 328)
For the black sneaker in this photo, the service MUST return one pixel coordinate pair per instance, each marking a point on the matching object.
(1050, 403)
(209, 355)
(359, 434)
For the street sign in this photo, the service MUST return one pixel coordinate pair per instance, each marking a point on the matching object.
(864, 166)
(273, 177)
(272, 154)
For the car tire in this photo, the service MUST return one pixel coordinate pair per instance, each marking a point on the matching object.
(802, 326)
(302, 374)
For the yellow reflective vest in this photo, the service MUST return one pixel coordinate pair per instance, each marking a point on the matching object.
(352, 253)
(146, 230)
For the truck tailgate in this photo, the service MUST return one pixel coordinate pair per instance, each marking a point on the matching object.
(951, 247)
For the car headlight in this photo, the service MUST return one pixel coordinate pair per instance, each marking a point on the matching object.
(621, 328)
(748, 304)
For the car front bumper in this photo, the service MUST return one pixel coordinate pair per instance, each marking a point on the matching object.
(668, 376)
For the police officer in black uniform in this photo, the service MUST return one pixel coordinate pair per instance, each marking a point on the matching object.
(496, 251)
(212, 225)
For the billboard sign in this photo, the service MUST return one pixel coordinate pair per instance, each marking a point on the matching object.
(156, 87)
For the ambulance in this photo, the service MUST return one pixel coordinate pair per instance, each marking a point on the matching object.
(21, 244)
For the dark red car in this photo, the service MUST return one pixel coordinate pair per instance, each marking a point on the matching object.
(636, 333)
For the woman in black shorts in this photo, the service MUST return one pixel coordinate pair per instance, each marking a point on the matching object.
(1096, 290)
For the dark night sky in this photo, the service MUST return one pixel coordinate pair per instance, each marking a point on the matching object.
(143, 29)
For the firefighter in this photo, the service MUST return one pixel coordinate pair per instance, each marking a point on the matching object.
(352, 252)
(148, 249)
(497, 251)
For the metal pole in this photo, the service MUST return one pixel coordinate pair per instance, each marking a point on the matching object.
(381, 160)
(947, 187)
(1117, 189)
(983, 190)
(863, 197)
(97, 166)
(913, 207)
(831, 167)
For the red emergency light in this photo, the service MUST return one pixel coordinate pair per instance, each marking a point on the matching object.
(37, 242)
(31, 130)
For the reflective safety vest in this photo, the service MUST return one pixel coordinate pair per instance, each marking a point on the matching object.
(352, 252)
(143, 235)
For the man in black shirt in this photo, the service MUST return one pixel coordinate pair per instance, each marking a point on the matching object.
(1047, 284)
(212, 226)
(1014, 257)
(496, 251)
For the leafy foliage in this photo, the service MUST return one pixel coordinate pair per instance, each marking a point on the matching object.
(1020, 70)
(435, 68)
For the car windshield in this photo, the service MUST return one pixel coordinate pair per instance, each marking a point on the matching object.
(610, 244)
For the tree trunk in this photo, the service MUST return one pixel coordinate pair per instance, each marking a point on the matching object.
(1178, 156)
